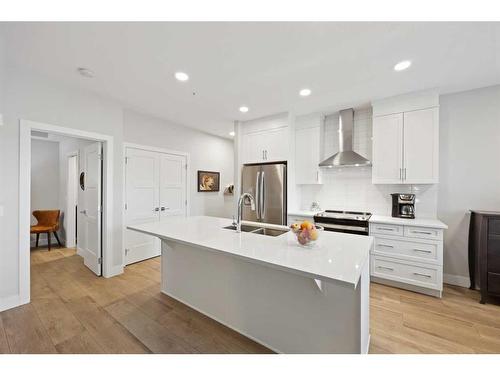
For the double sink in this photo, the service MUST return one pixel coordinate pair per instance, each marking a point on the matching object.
(259, 230)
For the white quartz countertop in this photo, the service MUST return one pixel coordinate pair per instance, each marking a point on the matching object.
(428, 223)
(304, 213)
(336, 257)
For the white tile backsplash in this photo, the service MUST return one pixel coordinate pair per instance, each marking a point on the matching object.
(352, 188)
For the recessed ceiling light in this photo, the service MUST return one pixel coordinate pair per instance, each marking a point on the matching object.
(305, 92)
(85, 72)
(402, 65)
(232, 134)
(181, 76)
(244, 109)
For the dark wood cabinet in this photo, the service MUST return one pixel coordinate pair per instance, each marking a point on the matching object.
(484, 254)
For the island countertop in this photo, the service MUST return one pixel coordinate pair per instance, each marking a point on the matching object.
(335, 257)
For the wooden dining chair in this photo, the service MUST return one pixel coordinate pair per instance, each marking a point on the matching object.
(47, 222)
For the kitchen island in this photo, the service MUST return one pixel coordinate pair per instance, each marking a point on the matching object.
(291, 299)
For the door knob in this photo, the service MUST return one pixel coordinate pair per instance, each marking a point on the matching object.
(157, 209)
(84, 212)
(163, 208)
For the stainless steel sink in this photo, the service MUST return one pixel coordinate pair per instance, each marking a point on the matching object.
(258, 230)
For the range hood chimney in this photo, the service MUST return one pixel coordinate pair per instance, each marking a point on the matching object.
(346, 157)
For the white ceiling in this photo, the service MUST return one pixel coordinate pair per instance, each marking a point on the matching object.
(260, 65)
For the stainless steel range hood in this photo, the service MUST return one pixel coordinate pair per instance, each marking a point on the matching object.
(346, 157)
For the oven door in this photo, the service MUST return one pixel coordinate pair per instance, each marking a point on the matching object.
(344, 227)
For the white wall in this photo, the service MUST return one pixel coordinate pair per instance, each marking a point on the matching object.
(469, 166)
(207, 152)
(44, 177)
(31, 97)
(352, 188)
(28, 96)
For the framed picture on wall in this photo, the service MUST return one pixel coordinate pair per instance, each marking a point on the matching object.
(208, 181)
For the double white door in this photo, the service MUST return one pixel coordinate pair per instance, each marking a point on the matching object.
(155, 189)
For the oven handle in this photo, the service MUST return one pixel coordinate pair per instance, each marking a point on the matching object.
(344, 227)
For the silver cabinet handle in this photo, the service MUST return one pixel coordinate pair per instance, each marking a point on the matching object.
(422, 274)
(389, 229)
(405, 174)
(400, 173)
(263, 157)
(265, 153)
(385, 268)
(317, 176)
(421, 232)
(423, 251)
(384, 245)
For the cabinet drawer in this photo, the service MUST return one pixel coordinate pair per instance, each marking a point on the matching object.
(494, 226)
(409, 250)
(493, 282)
(423, 232)
(391, 229)
(427, 277)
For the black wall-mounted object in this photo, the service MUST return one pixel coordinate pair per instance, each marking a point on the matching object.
(82, 180)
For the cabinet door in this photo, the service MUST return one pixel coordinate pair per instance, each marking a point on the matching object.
(172, 185)
(387, 149)
(307, 156)
(276, 145)
(142, 203)
(421, 138)
(253, 147)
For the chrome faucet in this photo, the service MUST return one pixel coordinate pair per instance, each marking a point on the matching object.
(240, 208)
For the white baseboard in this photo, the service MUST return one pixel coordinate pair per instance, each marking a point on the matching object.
(7, 303)
(456, 280)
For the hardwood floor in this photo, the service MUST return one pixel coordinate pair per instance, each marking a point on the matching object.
(73, 311)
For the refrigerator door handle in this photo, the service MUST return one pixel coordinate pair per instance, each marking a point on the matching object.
(262, 198)
(257, 196)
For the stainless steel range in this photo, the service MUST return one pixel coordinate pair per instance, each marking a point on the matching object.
(344, 221)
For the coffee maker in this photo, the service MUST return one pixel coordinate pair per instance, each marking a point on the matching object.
(403, 205)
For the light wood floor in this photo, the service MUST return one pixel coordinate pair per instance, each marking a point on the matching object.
(72, 311)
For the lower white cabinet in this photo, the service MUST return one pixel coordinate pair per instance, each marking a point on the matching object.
(408, 257)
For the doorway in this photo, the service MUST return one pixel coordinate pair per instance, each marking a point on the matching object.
(95, 168)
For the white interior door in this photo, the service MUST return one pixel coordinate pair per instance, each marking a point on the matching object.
(92, 207)
(71, 201)
(172, 185)
(142, 203)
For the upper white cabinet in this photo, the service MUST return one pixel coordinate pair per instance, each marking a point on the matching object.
(265, 141)
(406, 140)
(307, 150)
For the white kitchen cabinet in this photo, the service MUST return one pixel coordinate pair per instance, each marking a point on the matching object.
(421, 146)
(265, 146)
(408, 254)
(387, 149)
(406, 147)
(307, 158)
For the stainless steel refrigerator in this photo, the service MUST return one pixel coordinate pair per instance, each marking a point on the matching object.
(267, 184)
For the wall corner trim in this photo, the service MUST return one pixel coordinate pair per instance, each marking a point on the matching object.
(456, 280)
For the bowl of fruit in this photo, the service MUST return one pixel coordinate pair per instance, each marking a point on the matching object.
(306, 232)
